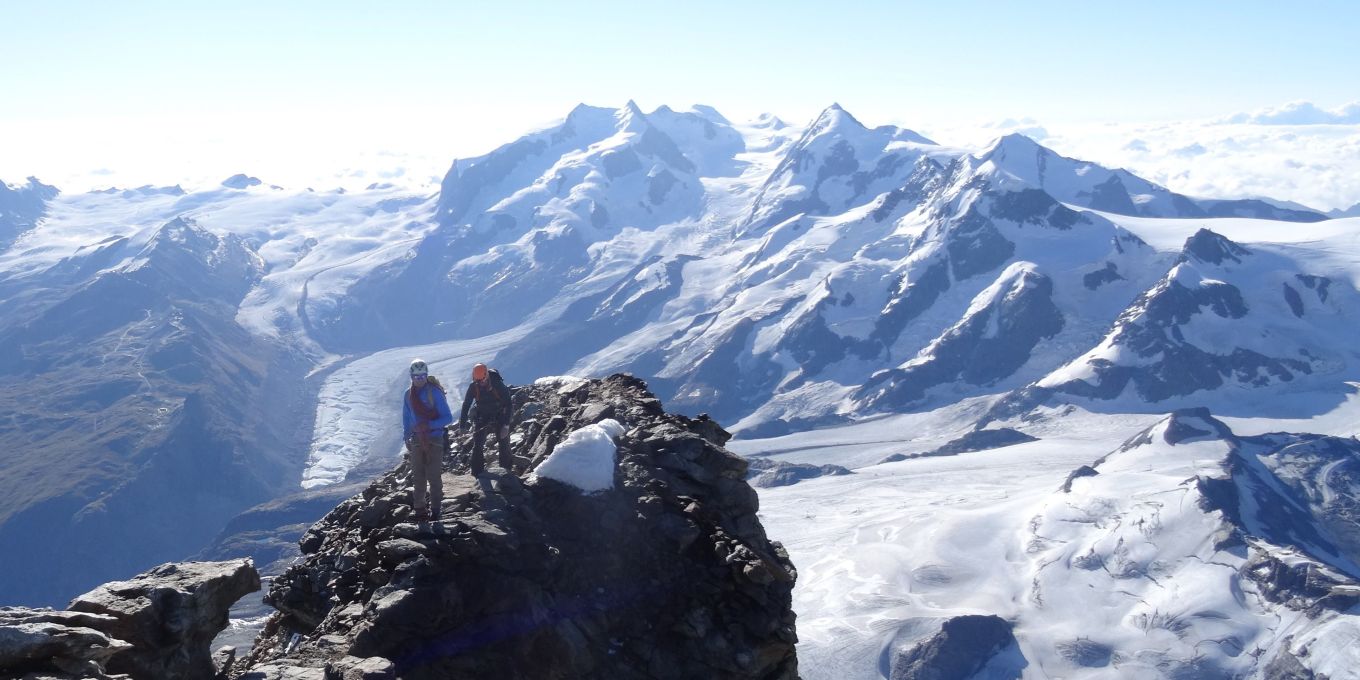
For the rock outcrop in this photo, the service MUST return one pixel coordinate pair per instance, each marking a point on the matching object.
(977, 440)
(765, 473)
(959, 649)
(156, 625)
(665, 574)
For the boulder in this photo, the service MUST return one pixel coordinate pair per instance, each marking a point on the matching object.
(169, 615)
(59, 643)
(159, 624)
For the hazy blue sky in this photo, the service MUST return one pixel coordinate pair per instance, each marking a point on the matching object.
(462, 78)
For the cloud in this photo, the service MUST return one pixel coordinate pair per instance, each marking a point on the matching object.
(1313, 165)
(1300, 113)
(1190, 150)
(1025, 126)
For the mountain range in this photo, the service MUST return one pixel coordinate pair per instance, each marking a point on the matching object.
(201, 352)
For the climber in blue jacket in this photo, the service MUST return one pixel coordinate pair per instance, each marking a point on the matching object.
(424, 416)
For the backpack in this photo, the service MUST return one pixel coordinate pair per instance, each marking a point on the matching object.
(494, 377)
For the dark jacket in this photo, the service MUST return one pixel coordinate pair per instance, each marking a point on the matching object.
(492, 399)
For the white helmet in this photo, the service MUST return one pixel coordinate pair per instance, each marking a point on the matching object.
(419, 367)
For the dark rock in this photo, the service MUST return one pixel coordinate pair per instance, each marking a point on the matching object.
(1287, 666)
(768, 473)
(911, 299)
(1083, 471)
(1292, 297)
(1086, 652)
(1166, 364)
(1111, 196)
(985, 346)
(1315, 283)
(43, 640)
(1207, 246)
(978, 440)
(157, 625)
(1033, 206)
(981, 440)
(1100, 277)
(960, 649)
(975, 246)
(1302, 584)
(170, 615)
(666, 575)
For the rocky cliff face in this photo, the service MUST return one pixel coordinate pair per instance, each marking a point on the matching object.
(666, 574)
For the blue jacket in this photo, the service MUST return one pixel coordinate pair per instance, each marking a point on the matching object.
(432, 396)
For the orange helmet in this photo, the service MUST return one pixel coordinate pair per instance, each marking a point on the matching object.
(479, 372)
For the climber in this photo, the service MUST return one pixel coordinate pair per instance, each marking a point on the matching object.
(425, 415)
(492, 398)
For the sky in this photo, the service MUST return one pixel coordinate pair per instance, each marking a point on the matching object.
(158, 92)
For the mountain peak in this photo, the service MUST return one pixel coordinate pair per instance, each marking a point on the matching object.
(1212, 248)
(631, 118)
(1181, 426)
(834, 117)
(1013, 144)
(712, 114)
(771, 121)
(584, 109)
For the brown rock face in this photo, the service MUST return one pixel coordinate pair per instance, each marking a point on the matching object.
(669, 574)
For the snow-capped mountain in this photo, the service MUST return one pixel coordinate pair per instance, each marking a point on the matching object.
(1118, 191)
(1223, 313)
(1353, 211)
(1187, 550)
(516, 226)
(142, 407)
(1187, 544)
(21, 207)
(781, 278)
(836, 165)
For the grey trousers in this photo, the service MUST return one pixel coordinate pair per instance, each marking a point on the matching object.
(427, 469)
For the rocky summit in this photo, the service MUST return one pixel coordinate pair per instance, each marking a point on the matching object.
(667, 573)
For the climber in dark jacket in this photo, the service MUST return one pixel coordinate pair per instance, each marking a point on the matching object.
(424, 416)
(492, 398)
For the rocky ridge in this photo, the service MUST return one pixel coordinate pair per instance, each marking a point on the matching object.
(668, 574)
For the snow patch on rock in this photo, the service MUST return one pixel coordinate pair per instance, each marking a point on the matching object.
(585, 459)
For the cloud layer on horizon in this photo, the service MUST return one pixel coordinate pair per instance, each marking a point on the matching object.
(1297, 152)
